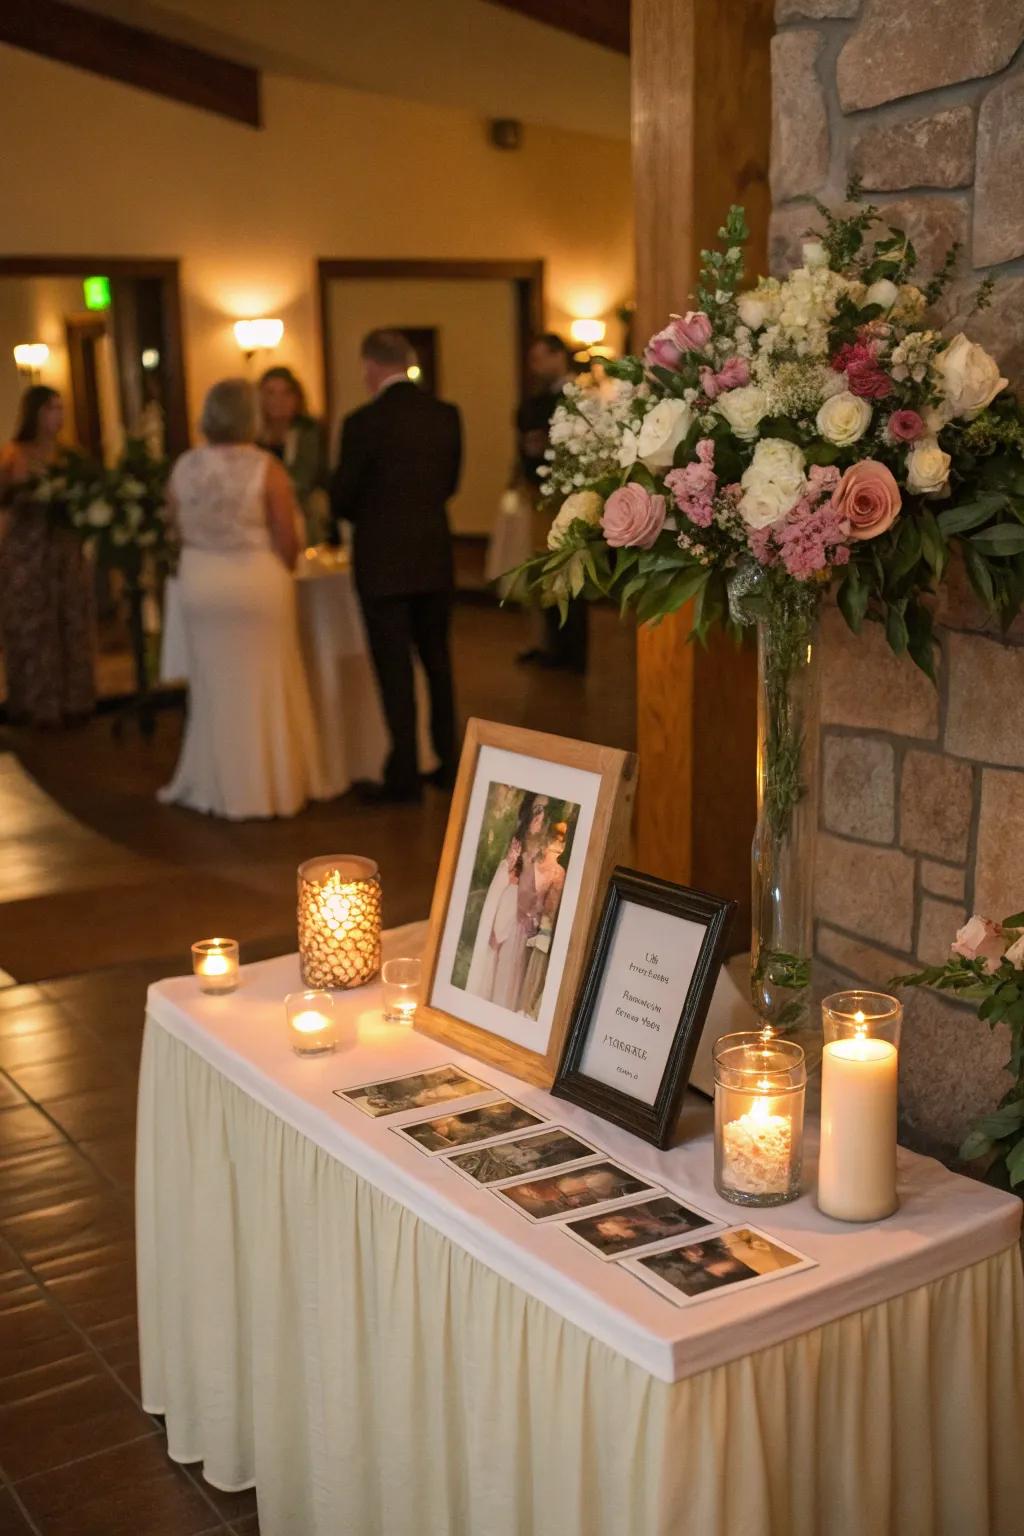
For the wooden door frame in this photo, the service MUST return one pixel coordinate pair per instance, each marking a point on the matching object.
(528, 277)
(85, 399)
(167, 271)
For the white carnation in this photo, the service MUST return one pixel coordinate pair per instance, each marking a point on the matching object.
(773, 483)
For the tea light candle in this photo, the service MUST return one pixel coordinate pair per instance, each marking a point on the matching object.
(215, 963)
(339, 921)
(859, 1104)
(401, 979)
(312, 1025)
(759, 1110)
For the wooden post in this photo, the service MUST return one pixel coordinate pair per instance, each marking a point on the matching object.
(701, 126)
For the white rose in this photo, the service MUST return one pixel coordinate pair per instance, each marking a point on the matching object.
(970, 378)
(1015, 954)
(99, 513)
(814, 255)
(843, 418)
(927, 467)
(883, 293)
(743, 409)
(935, 417)
(626, 455)
(773, 483)
(581, 506)
(661, 432)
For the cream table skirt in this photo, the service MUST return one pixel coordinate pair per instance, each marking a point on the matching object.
(306, 1332)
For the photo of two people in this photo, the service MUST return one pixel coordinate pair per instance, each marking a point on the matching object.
(519, 870)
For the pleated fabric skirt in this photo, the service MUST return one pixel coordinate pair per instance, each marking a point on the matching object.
(251, 747)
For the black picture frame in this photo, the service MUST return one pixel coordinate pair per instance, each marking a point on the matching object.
(651, 1122)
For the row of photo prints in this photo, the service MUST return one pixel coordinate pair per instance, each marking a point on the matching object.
(546, 1173)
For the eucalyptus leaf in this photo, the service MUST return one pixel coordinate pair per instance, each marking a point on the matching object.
(970, 514)
(1003, 539)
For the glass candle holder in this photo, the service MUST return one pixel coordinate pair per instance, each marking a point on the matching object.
(859, 1105)
(401, 980)
(215, 963)
(339, 921)
(312, 1022)
(760, 1083)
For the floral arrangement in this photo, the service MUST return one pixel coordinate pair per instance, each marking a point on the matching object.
(120, 511)
(986, 963)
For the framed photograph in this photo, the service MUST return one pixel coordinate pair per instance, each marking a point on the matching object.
(643, 1002)
(469, 1127)
(413, 1090)
(550, 1148)
(636, 1228)
(560, 1194)
(738, 1257)
(536, 825)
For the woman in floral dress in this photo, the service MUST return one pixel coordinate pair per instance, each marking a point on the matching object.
(46, 623)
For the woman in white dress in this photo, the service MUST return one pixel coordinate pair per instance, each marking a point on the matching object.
(251, 744)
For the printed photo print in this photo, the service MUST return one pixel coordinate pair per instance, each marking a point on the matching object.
(561, 1194)
(525, 1154)
(416, 1090)
(741, 1256)
(515, 892)
(637, 1226)
(466, 1127)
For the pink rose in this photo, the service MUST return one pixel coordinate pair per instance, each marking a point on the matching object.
(632, 517)
(733, 374)
(859, 361)
(980, 939)
(868, 498)
(904, 427)
(691, 331)
(662, 350)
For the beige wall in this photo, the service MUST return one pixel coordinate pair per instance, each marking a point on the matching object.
(34, 309)
(335, 173)
(478, 365)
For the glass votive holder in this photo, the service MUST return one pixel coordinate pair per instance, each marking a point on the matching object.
(859, 1105)
(215, 963)
(339, 921)
(760, 1084)
(312, 1022)
(401, 980)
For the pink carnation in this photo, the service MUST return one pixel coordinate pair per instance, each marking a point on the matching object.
(904, 427)
(859, 361)
(632, 517)
(693, 487)
(733, 373)
(812, 536)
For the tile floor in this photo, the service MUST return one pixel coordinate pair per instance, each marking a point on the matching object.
(93, 880)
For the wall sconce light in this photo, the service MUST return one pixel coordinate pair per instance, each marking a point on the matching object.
(29, 357)
(150, 358)
(258, 335)
(588, 332)
(414, 372)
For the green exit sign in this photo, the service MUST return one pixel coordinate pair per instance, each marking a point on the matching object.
(97, 292)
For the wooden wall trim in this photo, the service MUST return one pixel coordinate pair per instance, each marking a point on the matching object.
(119, 51)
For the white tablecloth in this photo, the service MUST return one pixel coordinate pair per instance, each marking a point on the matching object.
(346, 699)
(382, 1347)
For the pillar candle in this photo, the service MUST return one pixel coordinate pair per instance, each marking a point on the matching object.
(857, 1170)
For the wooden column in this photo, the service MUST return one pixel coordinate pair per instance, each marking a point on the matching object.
(701, 126)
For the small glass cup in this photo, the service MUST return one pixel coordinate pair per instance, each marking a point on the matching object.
(760, 1083)
(215, 963)
(312, 1022)
(401, 980)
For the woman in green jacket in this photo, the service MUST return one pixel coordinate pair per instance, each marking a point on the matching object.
(289, 432)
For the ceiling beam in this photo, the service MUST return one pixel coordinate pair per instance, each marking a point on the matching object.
(119, 51)
(605, 22)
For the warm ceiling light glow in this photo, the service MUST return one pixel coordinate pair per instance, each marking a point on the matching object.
(31, 354)
(587, 332)
(254, 335)
(414, 372)
(150, 358)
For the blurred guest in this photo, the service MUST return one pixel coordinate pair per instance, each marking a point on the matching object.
(398, 464)
(46, 619)
(251, 745)
(560, 645)
(291, 434)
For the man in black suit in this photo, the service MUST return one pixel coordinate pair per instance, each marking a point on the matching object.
(398, 464)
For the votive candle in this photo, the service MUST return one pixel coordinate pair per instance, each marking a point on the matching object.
(312, 1023)
(859, 1106)
(339, 919)
(215, 963)
(760, 1082)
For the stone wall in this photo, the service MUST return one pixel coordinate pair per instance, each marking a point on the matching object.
(923, 790)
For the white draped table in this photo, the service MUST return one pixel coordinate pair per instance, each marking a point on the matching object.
(382, 1347)
(342, 682)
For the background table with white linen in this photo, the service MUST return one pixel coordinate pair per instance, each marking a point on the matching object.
(342, 682)
(383, 1347)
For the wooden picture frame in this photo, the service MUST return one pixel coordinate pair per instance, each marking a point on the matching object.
(467, 1001)
(647, 993)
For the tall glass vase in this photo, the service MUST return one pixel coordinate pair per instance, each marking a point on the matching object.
(787, 806)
